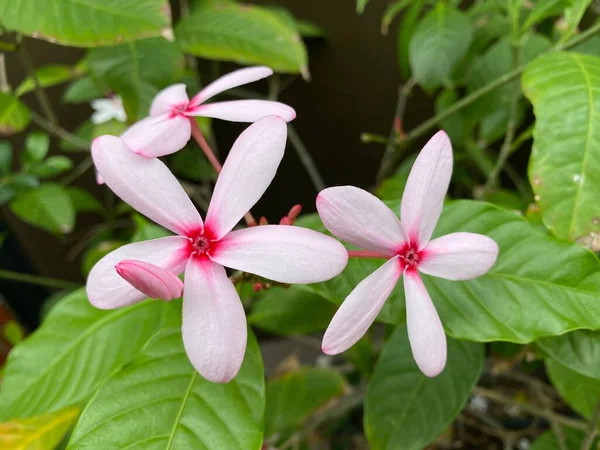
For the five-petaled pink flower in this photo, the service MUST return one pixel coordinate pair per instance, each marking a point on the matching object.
(214, 324)
(168, 127)
(359, 218)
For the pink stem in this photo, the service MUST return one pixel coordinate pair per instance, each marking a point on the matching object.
(214, 161)
(366, 254)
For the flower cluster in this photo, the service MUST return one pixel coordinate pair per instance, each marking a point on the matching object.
(214, 324)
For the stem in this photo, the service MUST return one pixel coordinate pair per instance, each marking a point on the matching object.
(214, 161)
(593, 429)
(396, 128)
(366, 254)
(60, 132)
(306, 159)
(4, 86)
(81, 168)
(476, 95)
(274, 83)
(35, 279)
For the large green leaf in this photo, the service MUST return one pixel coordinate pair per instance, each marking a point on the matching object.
(14, 115)
(564, 169)
(245, 34)
(137, 71)
(580, 392)
(404, 409)
(161, 402)
(48, 207)
(294, 396)
(578, 350)
(76, 348)
(440, 42)
(87, 23)
(293, 310)
(538, 287)
(573, 439)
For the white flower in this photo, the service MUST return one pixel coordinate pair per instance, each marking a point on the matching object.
(106, 109)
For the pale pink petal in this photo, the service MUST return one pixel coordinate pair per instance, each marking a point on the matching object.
(358, 217)
(244, 110)
(360, 308)
(425, 331)
(231, 80)
(283, 253)
(168, 98)
(99, 179)
(426, 188)
(247, 172)
(158, 136)
(459, 256)
(146, 184)
(107, 290)
(151, 280)
(214, 323)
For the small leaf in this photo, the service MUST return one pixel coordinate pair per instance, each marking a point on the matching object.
(361, 5)
(5, 158)
(14, 115)
(52, 166)
(542, 9)
(190, 164)
(83, 201)
(420, 407)
(48, 207)
(36, 147)
(293, 310)
(573, 15)
(83, 90)
(578, 350)
(47, 76)
(548, 440)
(170, 405)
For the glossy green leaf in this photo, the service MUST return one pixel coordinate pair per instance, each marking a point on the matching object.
(5, 157)
(87, 23)
(564, 169)
(440, 42)
(48, 207)
(548, 440)
(404, 409)
(137, 71)
(580, 392)
(47, 76)
(14, 115)
(160, 401)
(292, 310)
(406, 29)
(246, 34)
(539, 286)
(77, 347)
(578, 350)
(36, 147)
(83, 201)
(292, 397)
(52, 166)
(82, 91)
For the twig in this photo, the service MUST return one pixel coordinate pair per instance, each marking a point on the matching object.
(593, 429)
(35, 279)
(306, 159)
(4, 86)
(396, 128)
(60, 132)
(274, 83)
(81, 168)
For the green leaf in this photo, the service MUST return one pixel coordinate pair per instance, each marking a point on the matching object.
(294, 396)
(36, 147)
(548, 440)
(309, 29)
(564, 169)
(87, 23)
(246, 34)
(83, 90)
(390, 13)
(578, 350)
(361, 5)
(420, 407)
(137, 71)
(48, 207)
(146, 230)
(580, 392)
(85, 132)
(538, 287)
(83, 201)
(55, 165)
(189, 164)
(5, 158)
(392, 188)
(406, 30)
(454, 125)
(47, 76)
(14, 115)
(542, 9)
(95, 253)
(573, 15)
(169, 405)
(440, 42)
(77, 347)
(293, 310)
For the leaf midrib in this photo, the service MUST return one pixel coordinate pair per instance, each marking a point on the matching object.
(181, 408)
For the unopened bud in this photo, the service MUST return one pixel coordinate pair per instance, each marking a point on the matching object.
(151, 280)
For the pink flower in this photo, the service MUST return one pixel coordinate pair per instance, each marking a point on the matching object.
(151, 280)
(361, 219)
(214, 324)
(168, 128)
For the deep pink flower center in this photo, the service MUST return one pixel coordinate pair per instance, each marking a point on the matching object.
(410, 257)
(201, 245)
(181, 109)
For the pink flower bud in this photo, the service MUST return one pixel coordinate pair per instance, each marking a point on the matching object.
(151, 280)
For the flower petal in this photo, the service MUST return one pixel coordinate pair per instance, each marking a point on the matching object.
(169, 97)
(360, 308)
(244, 110)
(426, 188)
(247, 172)
(146, 184)
(231, 80)
(282, 253)
(360, 218)
(107, 290)
(214, 323)
(151, 280)
(425, 332)
(158, 136)
(459, 256)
